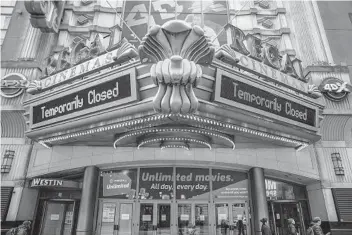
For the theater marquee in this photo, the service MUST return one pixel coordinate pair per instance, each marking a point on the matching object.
(114, 90)
(236, 91)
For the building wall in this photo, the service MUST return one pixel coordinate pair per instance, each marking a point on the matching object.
(338, 29)
(284, 160)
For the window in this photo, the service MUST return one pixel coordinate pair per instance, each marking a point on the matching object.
(7, 161)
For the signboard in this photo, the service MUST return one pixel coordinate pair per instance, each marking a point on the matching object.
(232, 91)
(117, 89)
(54, 217)
(83, 69)
(54, 183)
(156, 183)
(192, 183)
(13, 85)
(276, 190)
(334, 89)
(119, 184)
(108, 213)
(229, 184)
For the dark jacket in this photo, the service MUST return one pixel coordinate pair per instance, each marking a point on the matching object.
(266, 230)
(292, 229)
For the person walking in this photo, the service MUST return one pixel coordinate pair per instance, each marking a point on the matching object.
(291, 227)
(316, 227)
(265, 228)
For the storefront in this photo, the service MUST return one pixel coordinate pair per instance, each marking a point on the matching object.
(173, 200)
(178, 138)
(287, 201)
(57, 206)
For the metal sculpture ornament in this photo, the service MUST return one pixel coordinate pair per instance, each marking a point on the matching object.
(177, 51)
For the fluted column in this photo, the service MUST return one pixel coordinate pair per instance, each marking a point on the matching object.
(258, 194)
(87, 205)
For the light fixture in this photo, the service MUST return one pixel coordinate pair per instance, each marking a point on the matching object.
(337, 162)
(7, 161)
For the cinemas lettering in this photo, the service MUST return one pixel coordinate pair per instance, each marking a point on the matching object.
(234, 90)
(114, 90)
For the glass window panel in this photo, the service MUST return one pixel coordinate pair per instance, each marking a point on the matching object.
(164, 220)
(239, 218)
(189, 7)
(146, 219)
(222, 218)
(184, 218)
(136, 6)
(213, 25)
(54, 218)
(125, 220)
(192, 183)
(214, 6)
(202, 219)
(163, 6)
(161, 19)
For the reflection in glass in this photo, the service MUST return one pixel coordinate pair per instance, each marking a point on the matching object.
(202, 219)
(125, 220)
(222, 219)
(239, 219)
(184, 217)
(146, 219)
(164, 219)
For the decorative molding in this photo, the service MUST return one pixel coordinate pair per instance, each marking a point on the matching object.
(45, 14)
(263, 3)
(177, 51)
(266, 21)
(84, 19)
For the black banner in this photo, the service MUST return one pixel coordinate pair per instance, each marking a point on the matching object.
(237, 91)
(156, 183)
(107, 92)
(192, 183)
(118, 184)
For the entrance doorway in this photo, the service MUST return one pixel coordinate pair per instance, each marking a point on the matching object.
(232, 218)
(58, 217)
(280, 212)
(115, 217)
(168, 217)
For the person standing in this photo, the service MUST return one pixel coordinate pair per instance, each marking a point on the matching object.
(316, 227)
(291, 227)
(265, 228)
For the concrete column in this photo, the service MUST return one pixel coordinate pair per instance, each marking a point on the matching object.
(87, 205)
(258, 194)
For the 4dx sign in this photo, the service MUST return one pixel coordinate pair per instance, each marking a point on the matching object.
(334, 89)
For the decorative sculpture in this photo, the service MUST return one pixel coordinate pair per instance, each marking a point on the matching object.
(177, 51)
(45, 15)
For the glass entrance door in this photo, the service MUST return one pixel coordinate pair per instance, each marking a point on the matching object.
(115, 217)
(280, 212)
(164, 219)
(201, 216)
(58, 218)
(222, 223)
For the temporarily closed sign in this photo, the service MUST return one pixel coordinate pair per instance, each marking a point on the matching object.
(234, 90)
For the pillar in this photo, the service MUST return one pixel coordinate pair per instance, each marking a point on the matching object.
(258, 195)
(87, 205)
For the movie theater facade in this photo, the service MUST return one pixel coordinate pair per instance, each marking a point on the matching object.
(177, 133)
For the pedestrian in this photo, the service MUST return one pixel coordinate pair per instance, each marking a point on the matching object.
(310, 229)
(265, 228)
(291, 227)
(240, 227)
(316, 227)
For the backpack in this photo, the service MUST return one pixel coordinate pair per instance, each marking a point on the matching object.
(310, 231)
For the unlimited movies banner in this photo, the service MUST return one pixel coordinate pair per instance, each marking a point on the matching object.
(162, 183)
